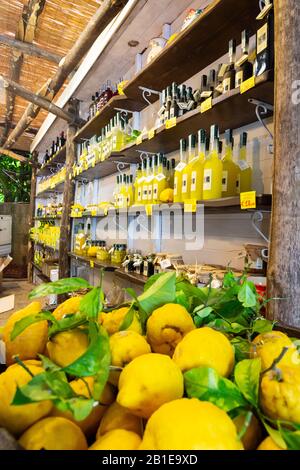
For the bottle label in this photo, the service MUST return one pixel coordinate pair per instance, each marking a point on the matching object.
(145, 268)
(155, 191)
(160, 177)
(239, 78)
(150, 193)
(224, 181)
(194, 181)
(184, 184)
(226, 84)
(238, 184)
(207, 179)
(206, 94)
(180, 167)
(175, 185)
(145, 193)
(243, 165)
(262, 38)
(140, 194)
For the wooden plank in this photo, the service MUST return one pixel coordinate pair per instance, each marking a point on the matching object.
(98, 264)
(59, 157)
(138, 279)
(29, 49)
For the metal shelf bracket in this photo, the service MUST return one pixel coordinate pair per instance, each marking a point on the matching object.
(147, 92)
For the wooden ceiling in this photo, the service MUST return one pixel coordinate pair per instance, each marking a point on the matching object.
(54, 28)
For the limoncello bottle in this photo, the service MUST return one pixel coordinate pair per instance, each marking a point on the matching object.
(197, 167)
(150, 179)
(123, 193)
(154, 183)
(117, 135)
(213, 168)
(160, 180)
(146, 180)
(142, 182)
(117, 192)
(137, 185)
(244, 177)
(186, 174)
(130, 195)
(230, 169)
(178, 172)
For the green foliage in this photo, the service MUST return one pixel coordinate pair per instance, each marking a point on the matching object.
(15, 180)
(62, 286)
(246, 376)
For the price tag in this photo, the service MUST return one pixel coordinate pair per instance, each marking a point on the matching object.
(52, 186)
(206, 105)
(248, 200)
(191, 206)
(247, 85)
(148, 209)
(93, 162)
(265, 11)
(92, 264)
(151, 134)
(93, 213)
(171, 123)
(70, 176)
(139, 140)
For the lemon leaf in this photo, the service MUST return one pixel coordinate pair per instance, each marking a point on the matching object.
(206, 384)
(241, 348)
(291, 438)
(62, 286)
(261, 325)
(90, 304)
(161, 292)
(67, 323)
(128, 319)
(25, 322)
(246, 375)
(246, 295)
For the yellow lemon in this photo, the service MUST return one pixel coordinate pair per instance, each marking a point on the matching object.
(280, 394)
(118, 439)
(167, 195)
(253, 434)
(82, 387)
(17, 418)
(31, 341)
(190, 424)
(124, 347)
(268, 444)
(69, 307)
(205, 347)
(268, 347)
(67, 346)
(53, 434)
(113, 320)
(148, 382)
(167, 326)
(117, 417)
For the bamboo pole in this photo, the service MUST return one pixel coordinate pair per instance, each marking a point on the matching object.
(104, 15)
(283, 268)
(29, 49)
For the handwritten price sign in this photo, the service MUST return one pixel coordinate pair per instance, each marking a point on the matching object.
(248, 200)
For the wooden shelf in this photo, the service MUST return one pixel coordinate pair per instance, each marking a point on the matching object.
(98, 264)
(94, 126)
(48, 192)
(55, 217)
(41, 275)
(45, 246)
(60, 157)
(138, 279)
(198, 46)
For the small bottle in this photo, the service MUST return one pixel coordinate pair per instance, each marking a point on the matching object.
(244, 68)
(244, 177)
(213, 168)
(46, 157)
(178, 171)
(137, 191)
(229, 77)
(168, 103)
(186, 174)
(265, 45)
(196, 168)
(91, 108)
(230, 169)
(174, 104)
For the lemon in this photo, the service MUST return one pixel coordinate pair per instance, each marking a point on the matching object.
(69, 307)
(17, 418)
(82, 387)
(67, 346)
(124, 347)
(113, 320)
(118, 439)
(148, 382)
(280, 394)
(167, 326)
(53, 434)
(117, 417)
(31, 341)
(268, 347)
(253, 434)
(205, 347)
(167, 195)
(190, 424)
(268, 444)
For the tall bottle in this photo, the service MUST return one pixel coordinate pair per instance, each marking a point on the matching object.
(178, 171)
(62, 139)
(137, 186)
(117, 134)
(197, 168)
(46, 157)
(174, 104)
(150, 178)
(145, 182)
(143, 186)
(130, 193)
(229, 76)
(230, 169)
(117, 192)
(213, 168)
(92, 108)
(244, 177)
(244, 68)
(265, 44)
(186, 174)
(123, 193)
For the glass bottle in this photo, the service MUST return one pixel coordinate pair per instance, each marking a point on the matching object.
(213, 168)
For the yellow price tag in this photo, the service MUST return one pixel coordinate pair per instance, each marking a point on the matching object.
(151, 134)
(171, 123)
(139, 140)
(247, 85)
(206, 105)
(248, 200)
(148, 209)
(93, 162)
(190, 206)
(93, 213)
(92, 264)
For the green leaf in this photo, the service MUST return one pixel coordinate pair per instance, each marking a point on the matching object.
(67, 323)
(198, 294)
(131, 292)
(62, 286)
(261, 325)
(227, 327)
(229, 280)
(128, 319)
(204, 312)
(47, 364)
(291, 438)
(274, 434)
(246, 375)
(241, 348)
(152, 280)
(182, 299)
(90, 303)
(246, 295)
(80, 407)
(25, 322)
(91, 361)
(206, 384)
(160, 293)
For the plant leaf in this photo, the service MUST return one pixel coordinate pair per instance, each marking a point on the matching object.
(80, 407)
(246, 295)
(182, 299)
(261, 325)
(67, 323)
(291, 438)
(128, 319)
(62, 286)
(25, 322)
(204, 312)
(160, 293)
(241, 348)
(206, 384)
(131, 292)
(246, 375)
(152, 280)
(90, 303)
(274, 434)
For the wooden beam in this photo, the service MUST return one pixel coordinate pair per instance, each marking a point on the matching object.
(283, 266)
(15, 156)
(29, 49)
(104, 15)
(31, 216)
(39, 101)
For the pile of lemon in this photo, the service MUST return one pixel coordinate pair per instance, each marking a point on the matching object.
(143, 405)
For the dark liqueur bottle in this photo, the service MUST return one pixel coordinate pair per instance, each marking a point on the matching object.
(244, 68)
(265, 45)
(229, 76)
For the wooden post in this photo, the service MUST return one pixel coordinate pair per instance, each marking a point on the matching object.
(31, 217)
(284, 267)
(68, 199)
(29, 49)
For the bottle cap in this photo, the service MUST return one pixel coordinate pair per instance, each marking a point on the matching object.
(192, 141)
(183, 145)
(214, 132)
(228, 136)
(201, 136)
(173, 161)
(243, 139)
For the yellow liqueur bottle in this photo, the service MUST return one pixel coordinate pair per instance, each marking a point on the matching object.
(117, 192)
(150, 179)
(244, 176)
(123, 193)
(186, 174)
(197, 168)
(142, 181)
(145, 182)
(130, 192)
(178, 171)
(213, 168)
(230, 169)
(160, 179)
(117, 134)
(137, 185)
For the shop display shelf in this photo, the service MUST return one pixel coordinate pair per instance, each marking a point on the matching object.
(59, 188)
(60, 157)
(97, 264)
(54, 217)
(135, 278)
